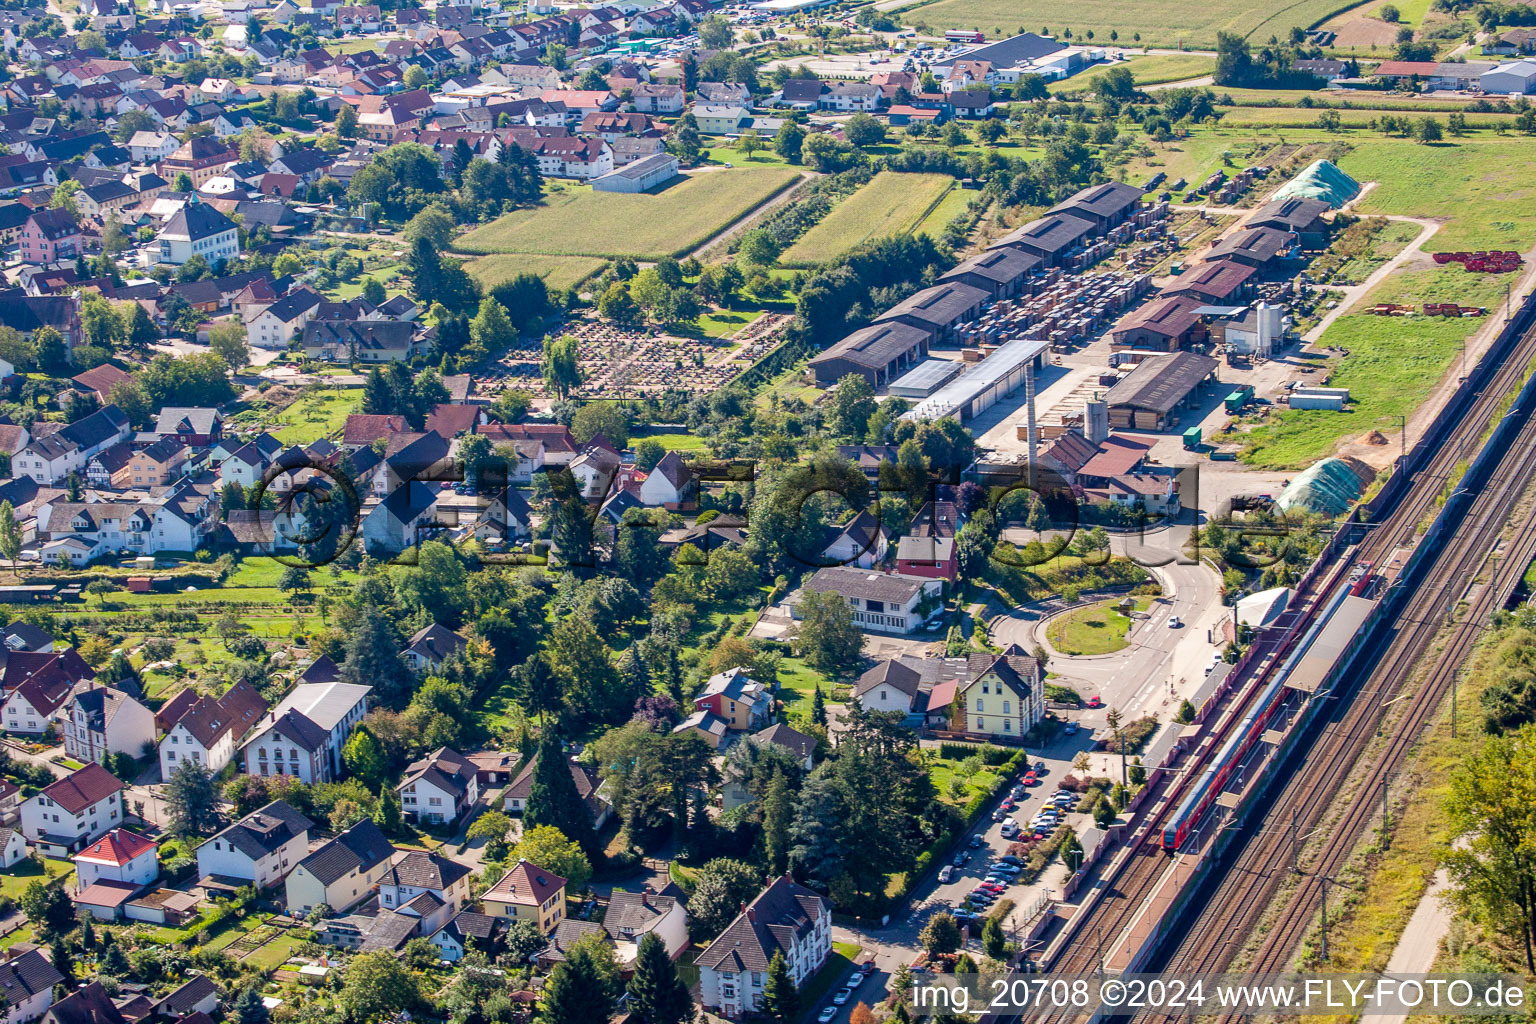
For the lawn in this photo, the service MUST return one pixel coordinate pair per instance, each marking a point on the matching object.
(1392, 366)
(1160, 23)
(558, 272)
(678, 218)
(1482, 187)
(1153, 69)
(1098, 628)
(388, 275)
(725, 322)
(944, 772)
(15, 881)
(674, 442)
(891, 204)
(274, 953)
(317, 414)
(951, 206)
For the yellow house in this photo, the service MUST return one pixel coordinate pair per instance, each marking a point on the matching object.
(1004, 697)
(528, 893)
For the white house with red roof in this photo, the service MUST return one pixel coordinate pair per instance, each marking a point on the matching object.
(71, 812)
(121, 857)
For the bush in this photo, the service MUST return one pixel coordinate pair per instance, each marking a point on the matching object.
(989, 754)
(1134, 736)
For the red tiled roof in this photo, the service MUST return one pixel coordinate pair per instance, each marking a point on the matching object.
(118, 847)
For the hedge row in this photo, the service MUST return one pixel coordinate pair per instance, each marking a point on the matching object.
(990, 753)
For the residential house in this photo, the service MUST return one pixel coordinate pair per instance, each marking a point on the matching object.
(26, 982)
(743, 702)
(439, 788)
(311, 725)
(881, 602)
(589, 784)
(445, 882)
(469, 930)
(67, 814)
(200, 158)
(670, 484)
(37, 685)
(159, 464)
(274, 326)
(785, 919)
(87, 1005)
(933, 557)
(100, 720)
(431, 645)
(199, 427)
(889, 686)
(1004, 698)
(210, 730)
(260, 849)
(122, 857)
(861, 542)
(340, 873)
(197, 229)
(657, 98)
(368, 341)
(50, 459)
(528, 893)
(49, 236)
(633, 915)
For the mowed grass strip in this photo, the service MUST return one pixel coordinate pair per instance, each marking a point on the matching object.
(891, 204)
(558, 272)
(1152, 69)
(1159, 22)
(681, 217)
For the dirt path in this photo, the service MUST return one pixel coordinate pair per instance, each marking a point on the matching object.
(752, 216)
(1354, 293)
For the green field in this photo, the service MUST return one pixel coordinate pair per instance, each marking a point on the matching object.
(559, 272)
(1153, 69)
(891, 204)
(317, 415)
(1159, 23)
(15, 881)
(1482, 188)
(681, 217)
(1393, 365)
(951, 206)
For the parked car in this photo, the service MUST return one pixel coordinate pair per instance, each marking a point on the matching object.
(1095, 701)
(1017, 791)
(1071, 729)
(976, 841)
(857, 978)
(960, 858)
(842, 996)
(947, 874)
(1040, 768)
(1031, 779)
(999, 814)
(867, 968)
(827, 1015)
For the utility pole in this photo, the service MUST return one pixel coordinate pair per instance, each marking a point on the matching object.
(1325, 916)
(1386, 812)
(1295, 845)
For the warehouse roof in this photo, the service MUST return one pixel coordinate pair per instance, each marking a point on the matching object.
(1106, 200)
(941, 305)
(1001, 265)
(1170, 316)
(1263, 244)
(1161, 382)
(963, 389)
(1055, 233)
(1292, 213)
(876, 346)
(1213, 280)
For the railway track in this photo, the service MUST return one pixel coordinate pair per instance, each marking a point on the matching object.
(1206, 942)
(1262, 862)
